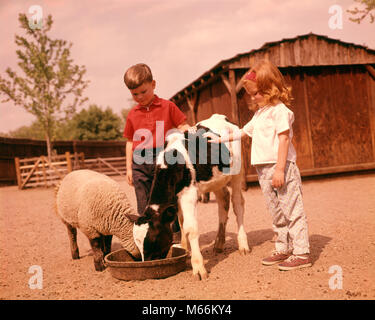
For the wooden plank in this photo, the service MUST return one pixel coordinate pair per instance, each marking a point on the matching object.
(225, 80)
(233, 96)
(371, 70)
(371, 110)
(68, 161)
(30, 173)
(308, 124)
(193, 104)
(221, 99)
(18, 172)
(110, 166)
(44, 169)
(51, 165)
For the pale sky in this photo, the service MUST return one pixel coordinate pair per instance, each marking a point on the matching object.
(178, 39)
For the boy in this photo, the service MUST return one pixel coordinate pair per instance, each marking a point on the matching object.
(146, 126)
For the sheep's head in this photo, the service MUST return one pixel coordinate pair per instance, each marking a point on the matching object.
(153, 233)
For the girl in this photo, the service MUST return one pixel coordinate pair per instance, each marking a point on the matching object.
(274, 158)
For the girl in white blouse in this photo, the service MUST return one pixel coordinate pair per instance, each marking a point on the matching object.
(274, 158)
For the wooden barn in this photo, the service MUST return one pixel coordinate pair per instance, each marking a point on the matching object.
(333, 85)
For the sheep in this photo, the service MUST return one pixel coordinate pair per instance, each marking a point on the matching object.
(98, 206)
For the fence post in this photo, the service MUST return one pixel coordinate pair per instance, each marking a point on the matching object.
(82, 164)
(18, 172)
(68, 161)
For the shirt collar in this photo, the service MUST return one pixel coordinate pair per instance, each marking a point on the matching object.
(155, 103)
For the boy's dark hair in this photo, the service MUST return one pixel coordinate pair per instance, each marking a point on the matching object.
(136, 75)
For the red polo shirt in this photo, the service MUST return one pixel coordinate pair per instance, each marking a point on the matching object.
(147, 126)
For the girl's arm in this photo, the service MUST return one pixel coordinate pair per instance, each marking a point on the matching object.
(213, 138)
(278, 178)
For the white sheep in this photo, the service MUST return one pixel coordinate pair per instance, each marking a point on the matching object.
(98, 206)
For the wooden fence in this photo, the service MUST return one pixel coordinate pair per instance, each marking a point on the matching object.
(108, 166)
(39, 172)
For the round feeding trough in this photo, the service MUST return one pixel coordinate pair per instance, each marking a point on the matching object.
(122, 266)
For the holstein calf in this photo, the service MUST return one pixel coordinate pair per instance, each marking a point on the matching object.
(188, 165)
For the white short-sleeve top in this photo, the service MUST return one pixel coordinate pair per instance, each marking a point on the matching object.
(264, 128)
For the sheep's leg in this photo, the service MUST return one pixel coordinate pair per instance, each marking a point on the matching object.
(223, 201)
(188, 202)
(238, 208)
(72, 234)
(97, 245)
(107, 244)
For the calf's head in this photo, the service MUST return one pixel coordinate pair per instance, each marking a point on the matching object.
(153, 233)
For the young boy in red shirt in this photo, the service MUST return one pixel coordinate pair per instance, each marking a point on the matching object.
(146, 126)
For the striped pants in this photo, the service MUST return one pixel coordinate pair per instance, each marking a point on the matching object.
(286, 208)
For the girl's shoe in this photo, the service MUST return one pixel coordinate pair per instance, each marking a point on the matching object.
(295, 262)
(275, 257)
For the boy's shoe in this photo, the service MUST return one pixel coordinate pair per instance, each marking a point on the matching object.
(295, 262)
(274, 258)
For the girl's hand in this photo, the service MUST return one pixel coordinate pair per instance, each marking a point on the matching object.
(278, 178)
(211, 137)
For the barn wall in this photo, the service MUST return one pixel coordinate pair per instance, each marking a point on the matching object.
(334, 108)
(339, 116)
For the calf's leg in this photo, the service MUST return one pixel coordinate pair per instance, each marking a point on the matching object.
(223, 202)
(239, 208)
(188, 204)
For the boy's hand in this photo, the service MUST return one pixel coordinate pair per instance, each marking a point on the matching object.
(129, 177)
(278, 178)
(211, 137)
(192, 130)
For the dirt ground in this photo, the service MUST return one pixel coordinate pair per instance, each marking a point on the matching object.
(341, 216)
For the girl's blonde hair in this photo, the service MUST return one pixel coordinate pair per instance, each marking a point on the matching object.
(270, 84)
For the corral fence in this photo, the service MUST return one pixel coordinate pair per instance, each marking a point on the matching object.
(107, 157)
(40, 172)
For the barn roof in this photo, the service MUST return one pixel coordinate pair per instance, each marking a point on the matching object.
(304, 50)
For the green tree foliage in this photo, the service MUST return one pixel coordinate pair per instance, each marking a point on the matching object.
(362, 13)
(33, 131)
(51, 86)
(93, 124)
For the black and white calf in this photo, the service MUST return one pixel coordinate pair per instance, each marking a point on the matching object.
(189, 164)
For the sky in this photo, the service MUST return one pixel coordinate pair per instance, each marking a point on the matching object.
(178, 39)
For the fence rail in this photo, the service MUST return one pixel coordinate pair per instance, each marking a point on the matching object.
(108, 166)
(39, 172)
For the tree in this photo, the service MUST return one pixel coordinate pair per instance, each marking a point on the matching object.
(364, 12)
(51, 87)
(33, 131)
(94, 124)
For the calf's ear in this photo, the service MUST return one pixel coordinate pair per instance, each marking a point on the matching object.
(169, 214)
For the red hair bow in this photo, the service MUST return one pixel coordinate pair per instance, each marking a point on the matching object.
(251, 76)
